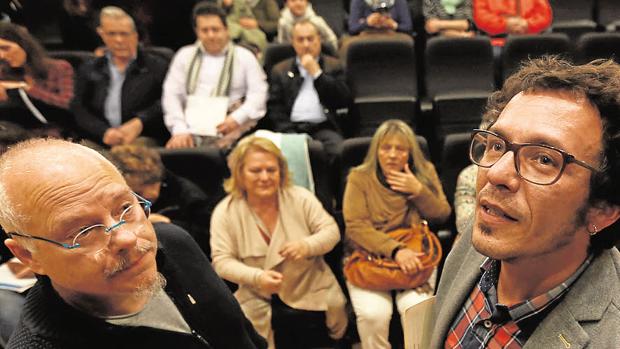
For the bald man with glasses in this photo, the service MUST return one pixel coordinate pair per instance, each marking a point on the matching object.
(538, 267)
(107, 277)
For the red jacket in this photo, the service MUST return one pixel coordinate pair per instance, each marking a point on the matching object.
(490, 15)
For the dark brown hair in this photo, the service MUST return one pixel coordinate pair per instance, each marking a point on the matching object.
(598, 82)
(36, 58)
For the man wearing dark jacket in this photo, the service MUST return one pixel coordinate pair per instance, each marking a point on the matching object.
(306, 91)
(117, 96)
(175, 199)
(107, 277)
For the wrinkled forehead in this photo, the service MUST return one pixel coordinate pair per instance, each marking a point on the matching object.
(47, 167)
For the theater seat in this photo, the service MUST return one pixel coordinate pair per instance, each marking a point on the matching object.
(520, 48)
(381, 73)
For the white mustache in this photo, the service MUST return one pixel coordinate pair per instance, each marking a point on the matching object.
(142, 247)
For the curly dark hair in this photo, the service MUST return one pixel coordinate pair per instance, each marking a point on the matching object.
(599, 82)
(36, 56)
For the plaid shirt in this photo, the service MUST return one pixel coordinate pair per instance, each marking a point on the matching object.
(484, 323)
(57, 89)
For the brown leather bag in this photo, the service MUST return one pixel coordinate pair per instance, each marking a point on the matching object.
(377, 273)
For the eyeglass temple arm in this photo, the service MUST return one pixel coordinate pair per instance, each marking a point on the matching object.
(44, 239)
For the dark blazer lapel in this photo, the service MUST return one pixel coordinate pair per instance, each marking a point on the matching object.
(296, 81)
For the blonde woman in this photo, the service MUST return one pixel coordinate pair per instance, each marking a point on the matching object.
(394, 187)
(269, 237)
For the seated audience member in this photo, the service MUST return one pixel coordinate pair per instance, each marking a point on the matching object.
(537, 268)
(242, 25)
(118, 96)
(174, 199)
(465, 198)
(498, 18)
(267, 13)
(108, 278)
(465, 192)
(381, 16)
(305, 91)
(448, 18)
(299, 10)
(32, 84)
(269, 237)
(213, 67)
(394, 187)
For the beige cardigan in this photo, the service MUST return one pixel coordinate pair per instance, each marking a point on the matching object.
(240, 254)
(370, 209)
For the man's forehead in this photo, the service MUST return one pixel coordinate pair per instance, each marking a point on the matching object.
(550, 117)
(116, 21)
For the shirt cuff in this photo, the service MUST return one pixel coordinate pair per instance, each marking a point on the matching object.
(180, 129)
(239, 116)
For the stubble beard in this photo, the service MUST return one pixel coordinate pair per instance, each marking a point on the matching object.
(565, 238)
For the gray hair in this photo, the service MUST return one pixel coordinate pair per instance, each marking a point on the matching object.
(114, 12)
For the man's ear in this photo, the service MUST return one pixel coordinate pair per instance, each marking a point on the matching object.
(100, 31)
(25, 256)
(603, 215)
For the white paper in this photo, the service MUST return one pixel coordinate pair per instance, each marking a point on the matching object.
(204, 113)
(417, 324)
(8, 281)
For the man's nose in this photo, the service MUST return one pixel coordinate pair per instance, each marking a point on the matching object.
(122, 235)
(504, 172)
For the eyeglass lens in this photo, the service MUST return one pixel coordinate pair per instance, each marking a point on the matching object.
(535, 163)
(97, 236)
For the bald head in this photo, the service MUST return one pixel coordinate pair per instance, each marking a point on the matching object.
(32, 171)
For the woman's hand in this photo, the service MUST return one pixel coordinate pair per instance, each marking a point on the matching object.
(404, 182)
(12, 53)
(295, 250)
(408, 261)
(270, 281)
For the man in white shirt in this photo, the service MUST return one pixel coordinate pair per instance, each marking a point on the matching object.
(213, 67)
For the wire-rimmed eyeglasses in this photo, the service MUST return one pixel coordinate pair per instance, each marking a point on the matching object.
(97, 236)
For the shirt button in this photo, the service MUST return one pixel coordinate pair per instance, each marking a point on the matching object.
(488, 323)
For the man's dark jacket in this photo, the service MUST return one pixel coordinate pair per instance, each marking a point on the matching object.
(140, 96)
(285, 82)
(211, 312)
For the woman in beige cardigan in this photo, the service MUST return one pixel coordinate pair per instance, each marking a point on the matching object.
(269, 237)
(394, 187)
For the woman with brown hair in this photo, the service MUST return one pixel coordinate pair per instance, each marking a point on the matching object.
(269, 237)
(395, 187)
(32, 84)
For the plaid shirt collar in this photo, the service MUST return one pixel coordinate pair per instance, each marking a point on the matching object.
(521, 311)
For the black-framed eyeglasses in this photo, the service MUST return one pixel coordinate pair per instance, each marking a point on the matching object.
(97, 236)
(536, 163)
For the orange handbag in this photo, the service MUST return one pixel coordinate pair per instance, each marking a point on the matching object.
(378, 273)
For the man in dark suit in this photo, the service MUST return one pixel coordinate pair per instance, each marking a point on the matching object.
(118, 96)
(305, 91)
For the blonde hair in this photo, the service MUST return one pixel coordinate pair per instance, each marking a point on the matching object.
(236, 161)
(421, 167)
